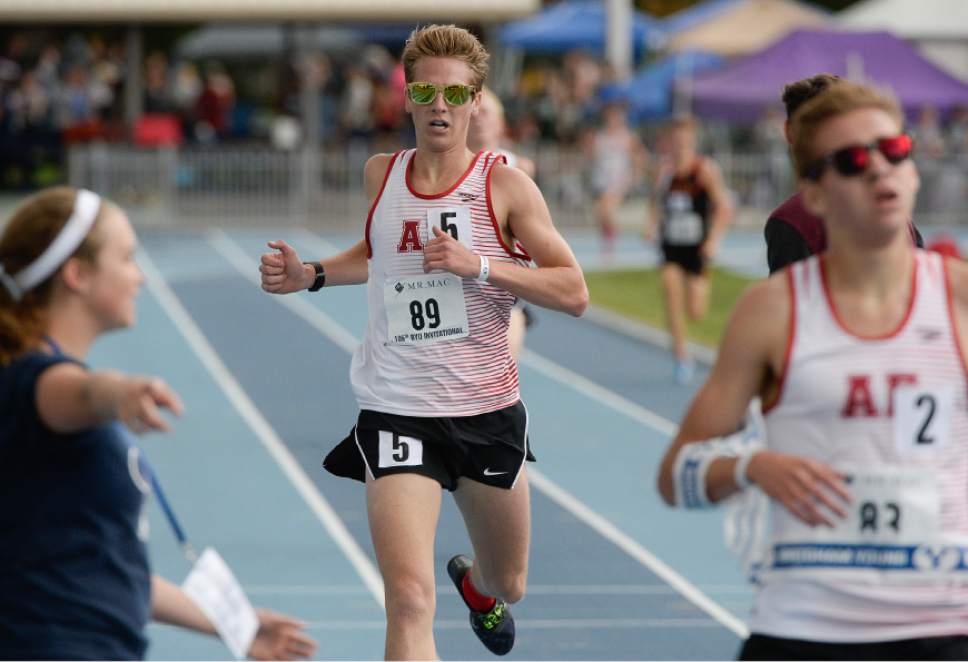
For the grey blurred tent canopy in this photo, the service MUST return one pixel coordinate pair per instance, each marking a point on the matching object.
(261, 40)
(141, 11)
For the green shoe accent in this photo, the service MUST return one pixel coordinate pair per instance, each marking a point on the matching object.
(494, 617)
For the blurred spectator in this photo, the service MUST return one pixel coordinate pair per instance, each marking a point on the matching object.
(927, 133)
(356, 117)
(157, 93)
(957, 133)
(214, 105)
(79, 104)
(618, 160)
(186, 88)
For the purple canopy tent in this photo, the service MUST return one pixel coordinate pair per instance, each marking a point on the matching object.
(742, 90)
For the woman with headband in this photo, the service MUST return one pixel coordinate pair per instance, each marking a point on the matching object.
(74, 574)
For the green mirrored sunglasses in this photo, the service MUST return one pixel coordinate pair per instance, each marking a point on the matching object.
(456, 94)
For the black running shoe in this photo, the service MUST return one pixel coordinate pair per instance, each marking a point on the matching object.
(495, 629)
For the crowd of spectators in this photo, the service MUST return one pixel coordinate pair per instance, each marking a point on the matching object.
(59, 90)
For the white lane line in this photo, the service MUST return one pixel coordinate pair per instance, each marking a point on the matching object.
(533, 590)
(638, 552)
(528, 624)
(536, 624)
(320, 320)
(598, 393)
(644, 333)
(257, 422)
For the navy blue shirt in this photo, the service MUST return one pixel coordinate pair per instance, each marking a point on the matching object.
(74, 576)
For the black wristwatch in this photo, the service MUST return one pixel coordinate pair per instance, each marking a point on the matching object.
(320, 276)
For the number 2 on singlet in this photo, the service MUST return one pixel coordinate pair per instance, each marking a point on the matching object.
(922, 418)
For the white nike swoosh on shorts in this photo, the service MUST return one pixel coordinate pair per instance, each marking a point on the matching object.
(488, 472)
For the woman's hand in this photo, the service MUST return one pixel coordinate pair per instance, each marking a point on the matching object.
(280, 638)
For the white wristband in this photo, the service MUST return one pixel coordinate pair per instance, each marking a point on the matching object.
(689, 472)
(485, 269)
(742, 463)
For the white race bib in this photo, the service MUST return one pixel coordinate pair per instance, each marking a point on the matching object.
(425, 309)
(218, 594)
(455, 221)
(891, 522)
(682, 226)
(922, 419)
(399, 451)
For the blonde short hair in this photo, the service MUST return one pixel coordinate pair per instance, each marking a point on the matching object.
(447, 41)
(838, 99)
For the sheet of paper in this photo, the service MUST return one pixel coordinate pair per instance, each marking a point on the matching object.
(212, 585)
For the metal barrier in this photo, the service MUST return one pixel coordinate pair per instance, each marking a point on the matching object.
(238, 187)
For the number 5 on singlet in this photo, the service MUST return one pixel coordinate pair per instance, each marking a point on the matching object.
(922, 418)
(455, 221)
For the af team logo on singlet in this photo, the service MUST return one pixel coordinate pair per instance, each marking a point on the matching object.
(429, 308)
(455, 221)
(921, 414)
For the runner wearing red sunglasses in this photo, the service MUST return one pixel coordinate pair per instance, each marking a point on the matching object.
(858, 357)
(792, 233)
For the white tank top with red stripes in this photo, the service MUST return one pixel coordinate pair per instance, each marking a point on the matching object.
(889, 412)
(435, 344)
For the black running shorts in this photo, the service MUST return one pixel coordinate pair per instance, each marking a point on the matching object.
(687, 257)
(489, 448)
(763, 647)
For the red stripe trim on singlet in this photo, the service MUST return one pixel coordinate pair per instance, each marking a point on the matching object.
(949, 298)
(435, 196)
(884, 336)
(369, 217)
(490, 212)
(788, 352)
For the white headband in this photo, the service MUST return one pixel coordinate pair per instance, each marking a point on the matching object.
(65, 243)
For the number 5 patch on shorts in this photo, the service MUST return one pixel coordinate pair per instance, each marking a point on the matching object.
(399, 451)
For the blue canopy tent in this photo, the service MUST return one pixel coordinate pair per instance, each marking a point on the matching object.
(575, 24)
(649, 93)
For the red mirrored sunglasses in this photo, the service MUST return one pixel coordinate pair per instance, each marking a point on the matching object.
(855, 159)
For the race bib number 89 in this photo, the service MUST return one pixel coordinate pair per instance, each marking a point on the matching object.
(426, 309)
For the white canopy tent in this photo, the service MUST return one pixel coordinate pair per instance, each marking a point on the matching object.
(939, 28)
(746, 26)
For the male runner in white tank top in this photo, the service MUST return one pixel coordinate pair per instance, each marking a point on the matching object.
(445, 254)
(859, 357)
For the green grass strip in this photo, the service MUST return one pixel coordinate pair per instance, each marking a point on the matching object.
(637, 294)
